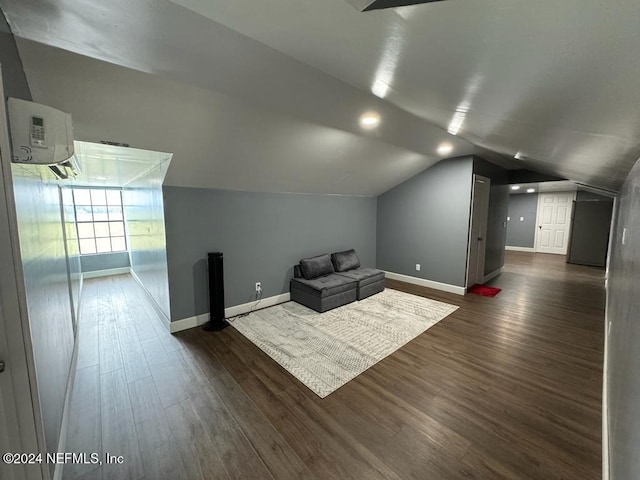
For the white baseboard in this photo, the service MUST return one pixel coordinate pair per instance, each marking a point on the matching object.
(492, 275)
(105, 273)
(187, 323)
(520, 249)
(203, 318)
(445, 287)
(264, 303)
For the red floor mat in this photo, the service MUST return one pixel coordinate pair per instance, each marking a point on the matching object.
(484, 291)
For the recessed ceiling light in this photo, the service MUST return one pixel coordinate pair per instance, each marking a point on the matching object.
(515, 187)
(445, 148)
(531, 190)
(518, 156)
(369, 120)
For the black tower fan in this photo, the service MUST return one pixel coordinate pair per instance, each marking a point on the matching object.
(216, 294)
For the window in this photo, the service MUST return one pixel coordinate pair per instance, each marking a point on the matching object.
(99, 220)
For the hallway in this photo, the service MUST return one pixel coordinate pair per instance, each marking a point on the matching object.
(505, 388)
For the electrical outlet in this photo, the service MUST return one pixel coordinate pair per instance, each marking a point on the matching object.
(417, 267)
(258, 287)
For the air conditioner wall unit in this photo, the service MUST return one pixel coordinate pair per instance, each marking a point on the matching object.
(42, 135)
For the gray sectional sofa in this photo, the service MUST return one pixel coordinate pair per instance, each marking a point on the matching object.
(329, 281)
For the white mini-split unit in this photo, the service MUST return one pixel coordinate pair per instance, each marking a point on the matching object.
(41, 135)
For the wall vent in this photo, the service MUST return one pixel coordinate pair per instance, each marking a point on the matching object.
(114, 144)
(368, 5)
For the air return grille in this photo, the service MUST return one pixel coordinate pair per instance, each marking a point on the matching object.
(368, 5)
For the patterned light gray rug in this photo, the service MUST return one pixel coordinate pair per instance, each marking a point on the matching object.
(326, 350)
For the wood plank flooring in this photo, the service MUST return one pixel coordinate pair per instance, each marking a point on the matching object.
(505, 388)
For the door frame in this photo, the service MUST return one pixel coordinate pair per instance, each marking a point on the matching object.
(19, 390)
(484, 227)
(539, 214)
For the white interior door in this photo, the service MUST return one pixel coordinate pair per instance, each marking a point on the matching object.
(478, 230)
(554, 222)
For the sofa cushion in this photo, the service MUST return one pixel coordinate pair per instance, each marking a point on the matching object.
(343, 261)
(364, 276)
(316, 266)
(325, 286)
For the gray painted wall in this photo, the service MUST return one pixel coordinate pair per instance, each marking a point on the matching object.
(44, 264)
(623, 315)
(104, 261)
(590, 229)
(145, 225)
(522, 234)
(498, 206)
(262, 235)
(425, 220)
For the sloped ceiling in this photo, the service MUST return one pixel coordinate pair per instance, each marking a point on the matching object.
(216, 140)
(554, 81)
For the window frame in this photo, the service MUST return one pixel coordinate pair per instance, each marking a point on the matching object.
(107, 221)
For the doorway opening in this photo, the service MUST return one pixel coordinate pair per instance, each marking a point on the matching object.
(478, 230)
(560, 218)
(118, 216)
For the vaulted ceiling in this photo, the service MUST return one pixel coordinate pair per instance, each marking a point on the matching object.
(268, 95)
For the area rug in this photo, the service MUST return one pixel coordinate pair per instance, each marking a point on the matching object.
(484, 290)
(326, 350)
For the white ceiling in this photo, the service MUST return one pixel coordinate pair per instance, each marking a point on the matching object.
(555, 81)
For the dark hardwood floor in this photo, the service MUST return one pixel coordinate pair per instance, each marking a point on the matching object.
(504, 388)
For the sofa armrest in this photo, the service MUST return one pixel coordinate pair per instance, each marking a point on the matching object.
(296, 271)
